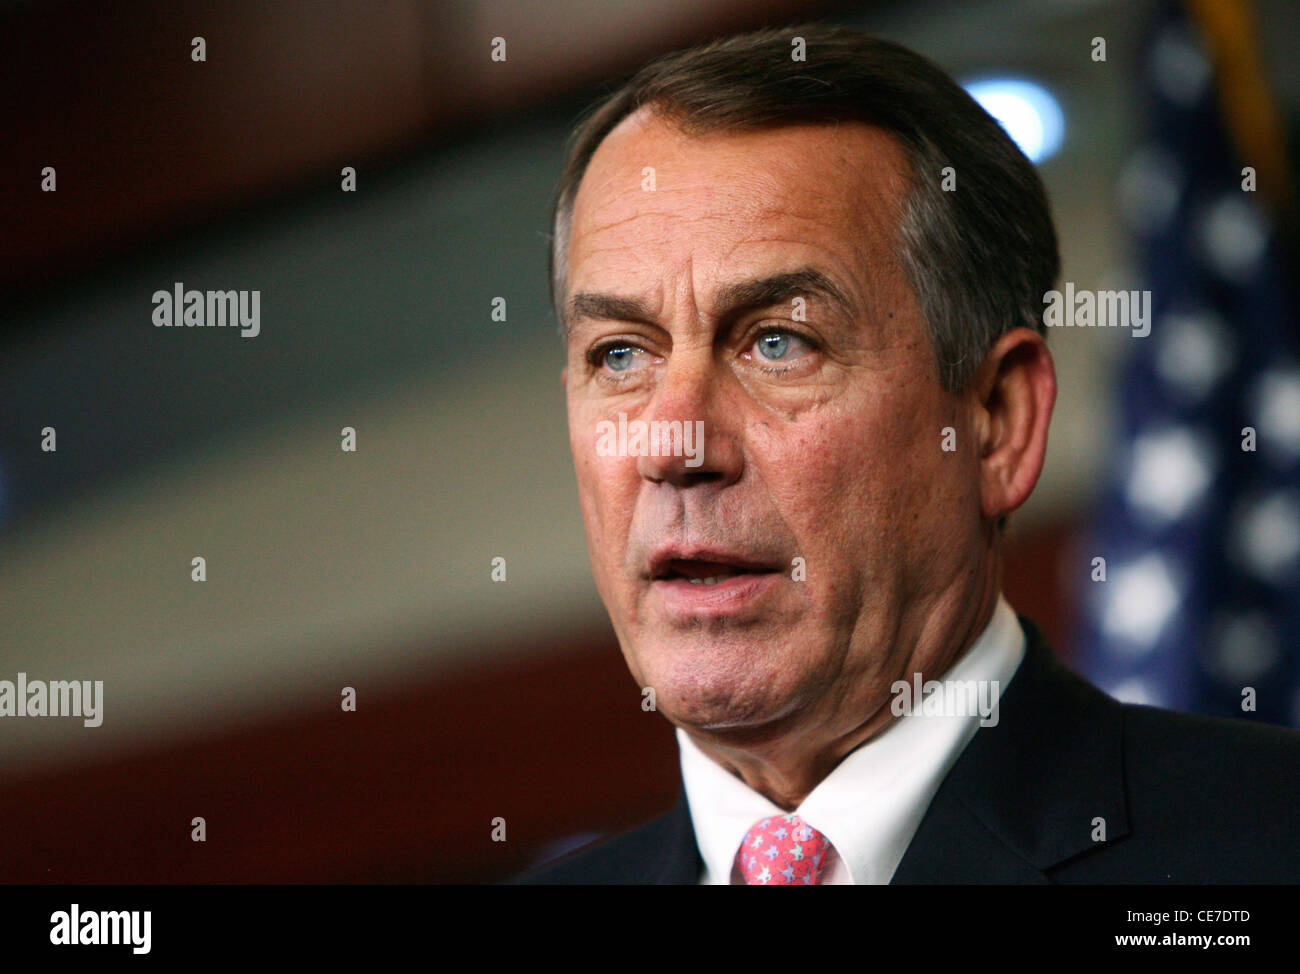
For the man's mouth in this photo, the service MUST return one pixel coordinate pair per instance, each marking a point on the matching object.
(704, 567)
(704, 572)
(714, 582)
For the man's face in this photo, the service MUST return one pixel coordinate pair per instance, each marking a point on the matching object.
(822, 422)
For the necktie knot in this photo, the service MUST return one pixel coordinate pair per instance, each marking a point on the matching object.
(782, 850)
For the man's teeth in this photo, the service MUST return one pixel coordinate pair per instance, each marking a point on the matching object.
(710, 580)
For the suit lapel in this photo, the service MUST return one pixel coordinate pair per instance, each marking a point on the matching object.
(1026, 795)
(679, 860)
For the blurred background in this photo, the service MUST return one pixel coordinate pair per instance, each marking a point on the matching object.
(480, 700)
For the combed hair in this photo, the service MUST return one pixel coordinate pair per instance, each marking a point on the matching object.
(979, 258)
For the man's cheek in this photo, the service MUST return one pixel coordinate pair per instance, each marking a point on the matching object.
(607, 501)
(592, 469)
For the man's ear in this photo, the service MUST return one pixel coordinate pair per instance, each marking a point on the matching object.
(1013, 393)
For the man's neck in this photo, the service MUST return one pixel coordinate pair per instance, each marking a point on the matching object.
(786, 762)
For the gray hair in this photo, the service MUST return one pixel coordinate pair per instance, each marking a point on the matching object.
(979, 258)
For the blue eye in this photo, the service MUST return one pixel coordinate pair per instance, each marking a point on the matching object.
(618, 357)
(782, 348)
(774, 345)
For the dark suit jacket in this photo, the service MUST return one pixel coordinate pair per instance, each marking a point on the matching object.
(1185, 799)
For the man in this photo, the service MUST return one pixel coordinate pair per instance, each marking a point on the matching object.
(815, 249)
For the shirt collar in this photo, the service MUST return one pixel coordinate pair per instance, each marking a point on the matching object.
(870, 805)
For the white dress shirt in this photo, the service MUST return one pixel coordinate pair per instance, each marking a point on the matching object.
(871, 804)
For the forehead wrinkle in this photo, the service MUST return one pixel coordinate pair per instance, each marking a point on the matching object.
(665, 225)
(742, 197)
(726, 213)
(748, 200)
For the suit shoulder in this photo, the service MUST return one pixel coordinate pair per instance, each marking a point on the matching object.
(626, 858)
(1218, 779)
(1215, 746)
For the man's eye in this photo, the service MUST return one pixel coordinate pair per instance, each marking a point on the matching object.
(779, 347)
(617, 356)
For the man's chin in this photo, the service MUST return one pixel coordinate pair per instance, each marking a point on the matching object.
(733, 683)
(737, 717)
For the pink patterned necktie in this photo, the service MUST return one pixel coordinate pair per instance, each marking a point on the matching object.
(783, 850)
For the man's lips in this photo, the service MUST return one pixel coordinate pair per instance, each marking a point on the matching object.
(694, 582)
(705, 564)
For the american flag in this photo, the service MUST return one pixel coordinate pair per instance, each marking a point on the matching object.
(1199, 520)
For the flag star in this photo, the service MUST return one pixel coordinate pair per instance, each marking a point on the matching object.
(780, 833)
(1135, 690)
(1142, 598)
(765, 876)
(796, 852)
(1244, 646)
(788, 873)
(1275, 405)
(1150, 186)
(1193, 353)
(1179, 66)
(1266, 537)
(771, 852)
(1169, 472)
(1234, 235)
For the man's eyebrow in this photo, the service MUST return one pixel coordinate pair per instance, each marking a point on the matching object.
(732, 298)
(780, 288)
(605, 307)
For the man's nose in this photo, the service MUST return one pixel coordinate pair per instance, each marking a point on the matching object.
(692, 428)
